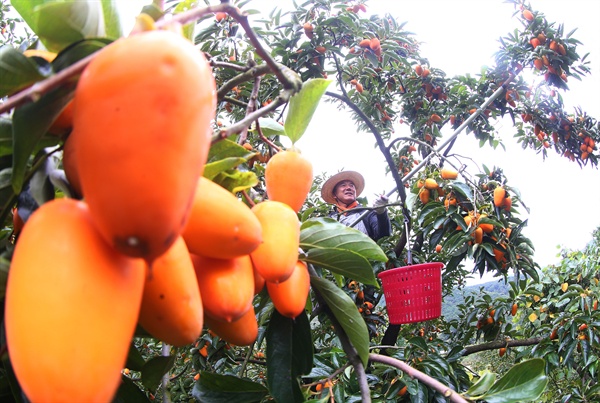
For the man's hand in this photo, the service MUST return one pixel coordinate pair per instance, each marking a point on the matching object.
(379, 204)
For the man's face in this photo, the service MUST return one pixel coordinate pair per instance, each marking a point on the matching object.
(345, 192)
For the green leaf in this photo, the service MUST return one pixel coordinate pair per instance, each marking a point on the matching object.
(212, 169)
(483, 384)
(154, 369)
(59, 24)
(5, 136)
(77, 51)
(129, 392)
(227, 149)
(328, 233)
(215, 388)
(236, 181)
(524, 382)
(345, 262)
(135, 361)
(112, 21)
(17, 71)
(303, 106)
(289, 355)
(344, 310)
(26, 9)
(30, 122)
(463, 189)
(270, 127)
(185, 5)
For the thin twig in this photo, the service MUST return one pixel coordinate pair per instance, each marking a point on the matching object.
(420, 376)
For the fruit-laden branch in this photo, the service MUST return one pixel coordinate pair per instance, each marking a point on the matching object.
(494, 345)
(288, 78)
(420, 376)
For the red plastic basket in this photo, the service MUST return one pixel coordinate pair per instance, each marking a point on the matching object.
(413, 293)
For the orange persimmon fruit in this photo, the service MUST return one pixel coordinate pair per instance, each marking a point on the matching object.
(241, 332)
(143, 137)
(69, 286)
(288, 178)
(289, 296)
(171, 308)
(226, 286)
(276, 257)
(220, 225)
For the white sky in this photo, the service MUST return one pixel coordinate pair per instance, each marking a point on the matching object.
(460, 37)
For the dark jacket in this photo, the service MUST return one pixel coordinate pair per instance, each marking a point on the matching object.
(375, 225)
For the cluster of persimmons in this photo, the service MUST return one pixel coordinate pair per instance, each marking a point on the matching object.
(151, 242)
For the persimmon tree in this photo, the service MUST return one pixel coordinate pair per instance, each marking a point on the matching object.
(271, 73)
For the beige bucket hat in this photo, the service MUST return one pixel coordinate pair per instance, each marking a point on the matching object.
(329, 185)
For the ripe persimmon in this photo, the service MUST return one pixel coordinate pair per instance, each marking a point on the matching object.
(499, 196)
(288, 178)
(514, 308)
(276, 257)
(67, 284)
(424, 195)
(528, 15)
(226, 286)
(478, 235)
(241, 332)
(289, 296)
(447, 173)
(171, 308)
(143, 137)
(430, 184)
(220, 225)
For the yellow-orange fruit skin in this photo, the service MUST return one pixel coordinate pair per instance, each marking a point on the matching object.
(276, 257)
(242, 332)
(289, 296)
(499, 196)
(171, 307)
(288, 178)
(72, 305)
(226, 286)
(142, 116)
(220, 225)
(448, 174)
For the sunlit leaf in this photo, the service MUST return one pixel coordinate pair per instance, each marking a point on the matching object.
(524, 382)
(270, 127)
(302, 107)
(327, 232)
(342, 261)
(484, 384)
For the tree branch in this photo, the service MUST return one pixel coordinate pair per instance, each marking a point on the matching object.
(420, 376)
(494, 345)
